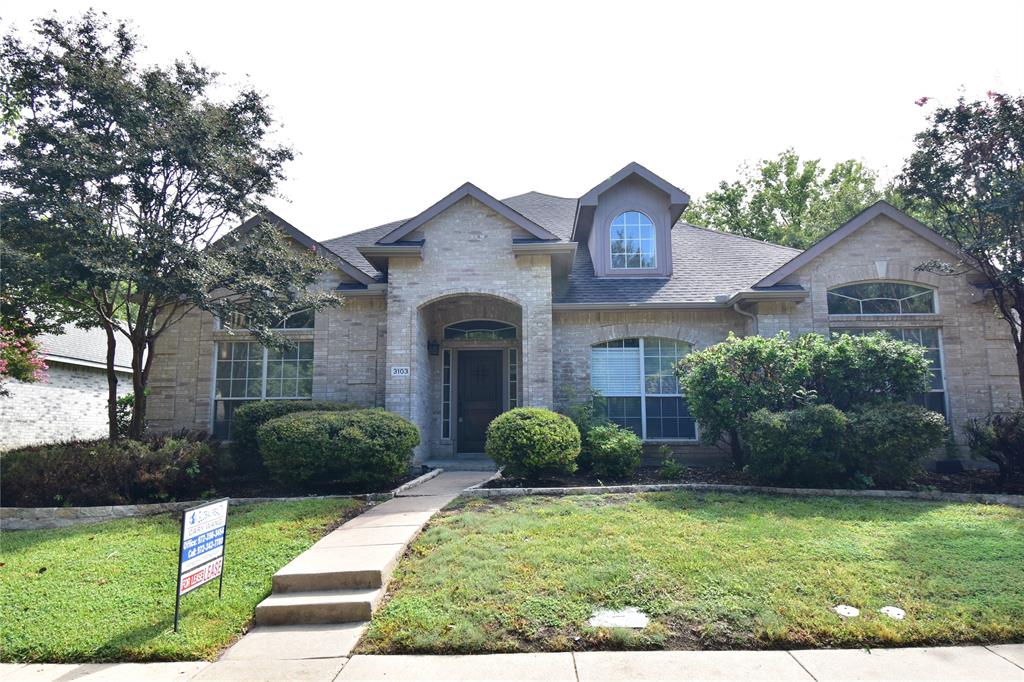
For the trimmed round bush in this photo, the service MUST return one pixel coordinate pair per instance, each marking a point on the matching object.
(614, 451)
(371, 448)
(887, 442)
(531, 442)
(248, 418)
(802, 447)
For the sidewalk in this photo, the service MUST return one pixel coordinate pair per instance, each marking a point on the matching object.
(948, 664)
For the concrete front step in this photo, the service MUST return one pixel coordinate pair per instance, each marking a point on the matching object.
(336, 568)
(327, 606)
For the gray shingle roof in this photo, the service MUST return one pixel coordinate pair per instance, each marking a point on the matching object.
(705, 263)
(85, 345)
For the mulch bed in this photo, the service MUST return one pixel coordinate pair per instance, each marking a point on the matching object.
(254, 487)
(965, 482)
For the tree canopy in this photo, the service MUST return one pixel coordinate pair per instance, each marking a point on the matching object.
(787, 200)
(965, 179)
(118, 180)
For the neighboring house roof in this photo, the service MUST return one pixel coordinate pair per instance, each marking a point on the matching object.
(86, 347)
(858, 221)
(466, 190)
(706, 265)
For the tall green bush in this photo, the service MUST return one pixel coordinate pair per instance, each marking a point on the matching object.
(532, 442)
(887, 441)
(370, 448)
(248, 418)
(730, 381)
(802, 447)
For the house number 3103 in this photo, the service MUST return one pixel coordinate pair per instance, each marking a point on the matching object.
(399, 371)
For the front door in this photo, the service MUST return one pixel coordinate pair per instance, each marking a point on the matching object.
(479, 396)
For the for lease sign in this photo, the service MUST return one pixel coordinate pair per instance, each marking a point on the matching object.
(202, 544)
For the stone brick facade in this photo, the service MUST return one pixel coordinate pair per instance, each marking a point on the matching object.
(980, 371)
(71, 405)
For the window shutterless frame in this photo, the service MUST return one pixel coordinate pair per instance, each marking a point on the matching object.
(643, 395)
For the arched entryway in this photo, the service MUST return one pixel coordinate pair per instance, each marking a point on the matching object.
(474, 351)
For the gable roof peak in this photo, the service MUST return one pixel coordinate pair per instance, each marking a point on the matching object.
(467, 189)
(880, 207)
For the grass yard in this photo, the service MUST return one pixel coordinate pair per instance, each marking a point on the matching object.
(105, 592)
(712, 571)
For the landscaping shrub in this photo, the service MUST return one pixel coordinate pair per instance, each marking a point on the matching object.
(614, 451)
(86, 473)
(370, 447)
(531, 442)
(586, 414)
(802, 447)
(249, 417)
(886, 443)
(846, 371)
(999, 439)
(728, 382)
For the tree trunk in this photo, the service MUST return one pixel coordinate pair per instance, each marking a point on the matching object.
(111, 384)
(736, 449)
(140, 372)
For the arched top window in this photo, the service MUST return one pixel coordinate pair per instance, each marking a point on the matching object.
(633, 242)
(639, 389)
(881, 298)
(480, 329)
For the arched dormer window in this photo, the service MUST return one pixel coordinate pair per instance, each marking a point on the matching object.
(633, 242)
(881, 298)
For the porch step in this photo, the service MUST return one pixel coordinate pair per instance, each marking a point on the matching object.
(481, 464)
(326, 606)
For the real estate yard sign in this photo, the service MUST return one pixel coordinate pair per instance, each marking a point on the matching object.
(201, 551)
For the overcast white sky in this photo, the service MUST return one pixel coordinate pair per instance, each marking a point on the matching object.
(392, 105)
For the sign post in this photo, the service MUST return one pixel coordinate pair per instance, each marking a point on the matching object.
(201, 549)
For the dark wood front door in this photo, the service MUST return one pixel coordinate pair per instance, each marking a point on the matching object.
(479, 396)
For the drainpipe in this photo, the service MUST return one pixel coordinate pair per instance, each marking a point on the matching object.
(744, 313)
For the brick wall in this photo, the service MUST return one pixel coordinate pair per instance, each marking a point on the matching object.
(71, 405)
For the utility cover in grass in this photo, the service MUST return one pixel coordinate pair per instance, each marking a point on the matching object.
(893, 612)
(629, 617)
(846, 611)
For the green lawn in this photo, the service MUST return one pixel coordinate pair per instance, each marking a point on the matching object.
(105, 592)
(713, 571)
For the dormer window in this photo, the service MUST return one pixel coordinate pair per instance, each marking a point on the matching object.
(633, 242)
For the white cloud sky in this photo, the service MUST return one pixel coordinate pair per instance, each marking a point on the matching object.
(392, 105)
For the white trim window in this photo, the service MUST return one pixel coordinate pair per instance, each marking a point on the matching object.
(633, 242)
(881, 298)
(245, 372)
(929, 337)
(636, 380)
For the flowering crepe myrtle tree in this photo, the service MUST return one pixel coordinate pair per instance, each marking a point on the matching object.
(965, 178)
(117, 181)
(19, 359)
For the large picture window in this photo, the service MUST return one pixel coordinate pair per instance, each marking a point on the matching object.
(633, 241)
(935, 398)
(246, 371)
(304, 319)
(636, 379)
(881, 298)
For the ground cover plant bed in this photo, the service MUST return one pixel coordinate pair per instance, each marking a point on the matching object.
(262, 487)
(713, 571)
(105, 592)
(973, 481)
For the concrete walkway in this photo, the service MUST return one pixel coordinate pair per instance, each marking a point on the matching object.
(1002, 663)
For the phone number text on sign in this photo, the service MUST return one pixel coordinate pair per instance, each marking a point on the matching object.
(200, 576)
